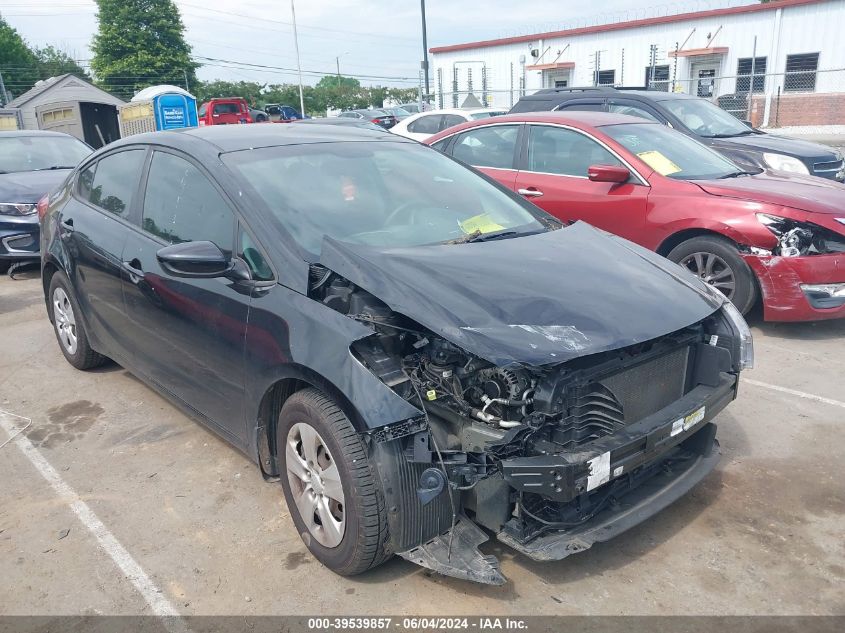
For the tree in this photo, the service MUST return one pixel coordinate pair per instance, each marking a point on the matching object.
(342, 93)
(140, 43)
(52, 62)
(17, 63)
(249, 90)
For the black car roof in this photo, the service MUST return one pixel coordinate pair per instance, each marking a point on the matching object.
(232, 138)
(560, 95)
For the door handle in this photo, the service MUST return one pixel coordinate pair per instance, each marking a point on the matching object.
(133, 268)
(530, 192)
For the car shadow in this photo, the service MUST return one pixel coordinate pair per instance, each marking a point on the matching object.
(800, 330)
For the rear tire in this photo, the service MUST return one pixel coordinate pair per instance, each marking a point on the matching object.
(67, 324)
(716, 261)
(318, 468)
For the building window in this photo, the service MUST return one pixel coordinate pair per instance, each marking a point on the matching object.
(660, 80)
(801, 72)
(605, 78)
(743, 71)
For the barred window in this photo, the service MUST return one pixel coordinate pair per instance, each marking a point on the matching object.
(660, 80)
(743, 71)
(605, 77)
(801, 72)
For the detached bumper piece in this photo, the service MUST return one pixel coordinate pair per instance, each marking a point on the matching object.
(456, 554)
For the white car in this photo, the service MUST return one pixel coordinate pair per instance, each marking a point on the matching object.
(425, 124)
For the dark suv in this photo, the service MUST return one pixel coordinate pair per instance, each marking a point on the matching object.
(699, 119)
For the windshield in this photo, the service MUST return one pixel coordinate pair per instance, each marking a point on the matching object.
(486, 115)
(671, 153)
(400, 112)
(378, 193)
(32, 153)
(705, 118)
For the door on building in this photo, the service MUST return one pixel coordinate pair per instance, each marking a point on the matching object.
(704, 78)
(556, 79)
(60, 117)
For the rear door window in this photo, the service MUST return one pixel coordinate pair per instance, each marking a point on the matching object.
(631, 108)
(181, 205)
(428, 124)
(449, 120)
(111, 182)
(491, 146)
(556, 150)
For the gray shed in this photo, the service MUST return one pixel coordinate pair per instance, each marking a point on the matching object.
(72, 105)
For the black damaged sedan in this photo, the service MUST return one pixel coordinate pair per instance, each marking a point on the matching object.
(420, 358)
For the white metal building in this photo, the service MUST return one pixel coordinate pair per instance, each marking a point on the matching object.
(793, 48)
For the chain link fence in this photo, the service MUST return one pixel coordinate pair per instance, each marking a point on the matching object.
(792, 98)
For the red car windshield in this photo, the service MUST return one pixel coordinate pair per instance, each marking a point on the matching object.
(671, 153)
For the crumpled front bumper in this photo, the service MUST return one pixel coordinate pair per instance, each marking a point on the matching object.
(781, 279)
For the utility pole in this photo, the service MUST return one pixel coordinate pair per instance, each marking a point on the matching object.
(298, 65)
(337, 59)
(4, 96)
(185, 75)
(425, 49)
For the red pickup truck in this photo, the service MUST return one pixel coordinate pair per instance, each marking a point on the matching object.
(224, 111)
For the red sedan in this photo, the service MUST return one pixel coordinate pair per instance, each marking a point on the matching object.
(773, 236)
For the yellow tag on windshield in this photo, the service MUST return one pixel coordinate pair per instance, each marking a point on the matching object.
(659, 163)
(481, 223)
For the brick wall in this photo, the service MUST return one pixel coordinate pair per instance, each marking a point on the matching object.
(800, 109)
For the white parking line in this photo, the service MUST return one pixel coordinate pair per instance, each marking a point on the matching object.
(795, 392)
(154, 597)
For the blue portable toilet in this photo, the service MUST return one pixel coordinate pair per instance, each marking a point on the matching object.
(158, 108)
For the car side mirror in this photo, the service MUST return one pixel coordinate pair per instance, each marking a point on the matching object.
(608, 173)
(748, 123)
(195, 260)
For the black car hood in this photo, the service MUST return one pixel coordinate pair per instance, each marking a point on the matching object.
(30, 186)
(535, 300)
(804, 150)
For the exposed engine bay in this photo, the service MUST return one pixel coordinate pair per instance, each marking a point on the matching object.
(526, 452)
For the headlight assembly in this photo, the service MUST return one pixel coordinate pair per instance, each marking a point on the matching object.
(782, 162)
(801, 238)
(16, 208)
(743, 334)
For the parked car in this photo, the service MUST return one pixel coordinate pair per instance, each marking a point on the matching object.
(258, 116)
(424, 125)
(772, 232)
(277, 112)
(32, 163)
(399, 112)
(700, 119)
(409, 348)
(360, 123)
(228, 111)
(377, 116)
(414, 107)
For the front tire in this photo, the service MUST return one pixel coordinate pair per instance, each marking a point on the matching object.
(68, 326)
(716, 261)
(331, 487)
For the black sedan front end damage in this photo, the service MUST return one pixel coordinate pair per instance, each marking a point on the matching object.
(567, 444)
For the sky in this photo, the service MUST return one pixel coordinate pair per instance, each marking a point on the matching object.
(378, 41)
